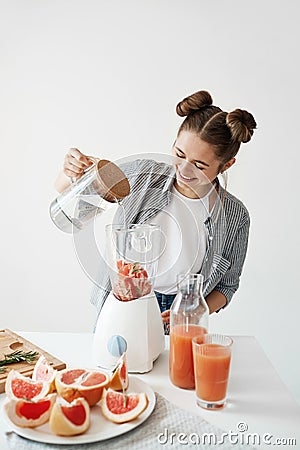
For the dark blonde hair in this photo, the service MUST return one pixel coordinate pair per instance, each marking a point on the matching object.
(224, 131)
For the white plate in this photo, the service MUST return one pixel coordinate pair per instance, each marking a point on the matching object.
(100, 428)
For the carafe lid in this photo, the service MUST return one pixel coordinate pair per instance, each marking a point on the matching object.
(113, 180)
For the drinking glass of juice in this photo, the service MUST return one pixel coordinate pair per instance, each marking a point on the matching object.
(211, 355)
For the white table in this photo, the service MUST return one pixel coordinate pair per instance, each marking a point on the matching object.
(257, 396)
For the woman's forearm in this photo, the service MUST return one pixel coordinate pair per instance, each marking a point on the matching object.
(215, 300)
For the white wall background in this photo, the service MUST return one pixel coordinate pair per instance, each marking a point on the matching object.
(105, 76)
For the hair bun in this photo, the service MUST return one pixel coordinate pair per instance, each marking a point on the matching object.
(241, 124)
(194, 102)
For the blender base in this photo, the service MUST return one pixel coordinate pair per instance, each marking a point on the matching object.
(139, 322)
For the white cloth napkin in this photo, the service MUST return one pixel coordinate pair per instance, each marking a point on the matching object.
(154, 433)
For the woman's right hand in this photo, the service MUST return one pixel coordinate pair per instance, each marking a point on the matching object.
(75, 163)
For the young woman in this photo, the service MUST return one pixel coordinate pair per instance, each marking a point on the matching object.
(206, 227)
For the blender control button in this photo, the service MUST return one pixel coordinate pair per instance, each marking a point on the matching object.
(116, 345)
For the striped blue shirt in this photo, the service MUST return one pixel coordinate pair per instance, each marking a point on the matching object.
(227, 227)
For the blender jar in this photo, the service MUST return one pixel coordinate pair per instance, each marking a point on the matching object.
(132, 255)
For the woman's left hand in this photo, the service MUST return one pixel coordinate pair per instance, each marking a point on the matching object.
(166, 316)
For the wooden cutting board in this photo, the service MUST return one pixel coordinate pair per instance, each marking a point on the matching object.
(10, 342)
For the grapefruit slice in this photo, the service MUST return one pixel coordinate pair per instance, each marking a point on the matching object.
(30, 413)
(119, 408)
(43, 371)
(19, 387)
(119, 379)
(69, 419)
(75, 383)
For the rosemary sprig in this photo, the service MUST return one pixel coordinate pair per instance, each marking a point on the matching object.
(16, 357)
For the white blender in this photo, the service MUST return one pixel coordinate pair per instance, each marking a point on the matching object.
(131, 309)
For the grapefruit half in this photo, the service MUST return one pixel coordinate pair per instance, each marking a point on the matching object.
(70, 419)
(43, 371)
(75, 383)
(119, 379)
(119, 408)
(30, 413)
(18, 386)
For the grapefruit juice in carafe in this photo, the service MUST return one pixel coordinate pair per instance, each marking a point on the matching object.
(188, 318)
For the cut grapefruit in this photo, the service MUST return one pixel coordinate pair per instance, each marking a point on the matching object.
(69, 419)
(19, 387)
(43, 371)
(119, 379)
(30, 413)
(119, 408)
(132, 281)
(75, 383)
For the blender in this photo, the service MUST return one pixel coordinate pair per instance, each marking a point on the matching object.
(131, 312)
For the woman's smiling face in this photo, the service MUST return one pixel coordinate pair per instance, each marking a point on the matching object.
(199, 164)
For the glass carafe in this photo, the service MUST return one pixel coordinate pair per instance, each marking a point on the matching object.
(102, 185)
(188, 318)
